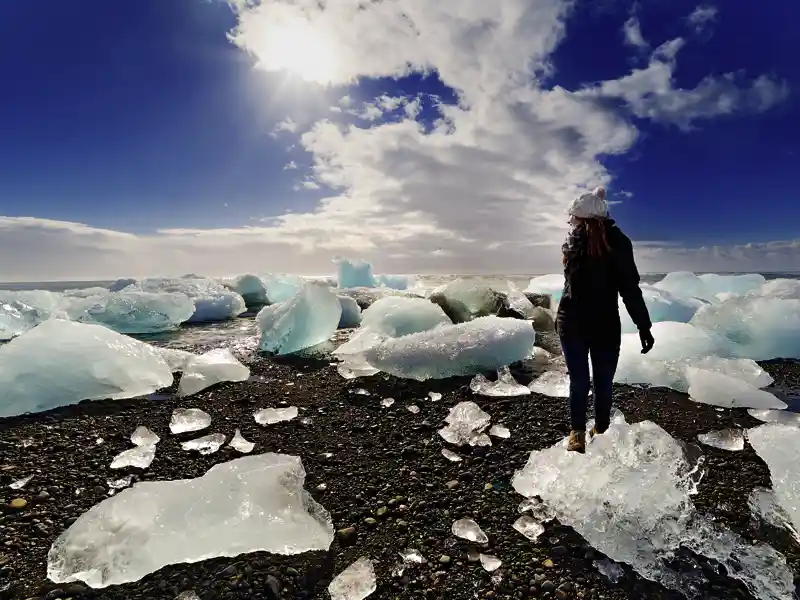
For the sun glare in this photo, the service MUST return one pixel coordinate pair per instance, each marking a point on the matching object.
(296, 47)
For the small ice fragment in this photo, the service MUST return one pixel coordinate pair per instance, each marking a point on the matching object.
(208, 444)
(142, 436)
(505, 386)
(490, 563)
(20, 483)
(118, 484)
(387, 402)
(307, 421)
(99, 441)
(500, 431)
(764, 507)
(466, 422)
(529, 527)
(481, 440)
(724, 439)
(783, 417)
(322, 487)
(450, 455)
(610, 569)
(538, 509)
(413, 557)
(139, 457)
(185, 420)
(270, 416)
(360, 392)
(434, 396)
(356, 582)
(209, 369)
(469, 530)
(240, 444)
(551, 383)
(413, 408)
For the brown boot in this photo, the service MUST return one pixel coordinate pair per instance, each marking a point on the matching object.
(595, 432)
(577, 442)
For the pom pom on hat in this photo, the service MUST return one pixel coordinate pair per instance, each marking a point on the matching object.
(590, 206)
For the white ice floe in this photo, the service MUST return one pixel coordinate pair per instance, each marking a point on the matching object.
(212, 300)
(142, 436)
(551, 383)
(270, 416)
(208, 444)
(240, 444)
(711, 387)
(504, 386)
(132, 311)
(469, 530)
(356, 582)
(629, 497)
(724, 439)
(208, 369)
(466, 423)
(251, 504)
(185, 420)
(61, 362)
(139, 457)
(307, 319)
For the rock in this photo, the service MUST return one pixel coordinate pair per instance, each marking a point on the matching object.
(543, 321)
(273, 588)
(567, 587)
(548, 586)
(370, 521)
(382, 510)
(559, 551)
(347, 535)
(444, 559)
(452, 484)
(18, 503)
(547, 564)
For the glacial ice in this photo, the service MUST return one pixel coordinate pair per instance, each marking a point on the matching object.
(764, 506)
(212, 300)
(711, 387)
(552, 285)
(208, 444)
(132, 311)
(518, 302)
(629, 497)
(356, 582)
(451, 456)
(464, 300)
(465, 424)
(784, 417)
(139, 457)
(270, 416)
(490, 563)
(662, 306)
(724, 439)
(779, 446)
(355, 273)
(500, 431)
(240, 444)
(21, 311)
(351, 313)
(208, 369)
(610, 569)
(309, 318)
(281, 287)
(450, 350)
(254, 503)
(252, 289)
(551, 383)
(142, 436)
(529, 527)
(185, 420)
(61, 362)
(176, 359)
(469, 530)
(504, 386)
(707, 287)
(397, 316)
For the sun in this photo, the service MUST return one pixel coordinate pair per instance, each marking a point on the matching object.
(296, 47)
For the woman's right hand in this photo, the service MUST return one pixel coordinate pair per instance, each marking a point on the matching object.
(647, 340)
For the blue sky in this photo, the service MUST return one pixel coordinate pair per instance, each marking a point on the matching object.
(142, 117)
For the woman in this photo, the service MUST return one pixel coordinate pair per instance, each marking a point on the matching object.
(598, 268)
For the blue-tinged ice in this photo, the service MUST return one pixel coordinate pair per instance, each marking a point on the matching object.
(358, 273)
(309, 318)
(485, 344)
(212, 300)
(351, 313)
(121, 284)
(548, 284)
(396, 316)
(132, 312)
(708, 287)
(62, 362)
(281, 287)
(395, 282)
(252, 288)
(464, 300)
(662, 306)
(208, 369)
(23, 310)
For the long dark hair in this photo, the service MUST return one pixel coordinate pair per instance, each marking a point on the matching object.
(588, 237)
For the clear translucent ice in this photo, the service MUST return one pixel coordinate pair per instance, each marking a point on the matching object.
(662, 306)
(710, 387)
(212, 300)
(309, 318)
(466, 423)
(211, 368)
(629, 496)
(487, 343)
(358, 273)
(707, 287)
(356, 582)
(548, 284)
(253, 503)
(351, 312)
(504, 386)
(61, 362)
(396, 316)
(551, 383)
(22, 310)
(724, 439)
(133, 311)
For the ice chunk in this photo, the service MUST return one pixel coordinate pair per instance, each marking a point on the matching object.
(142, 436)
(309, 318)
(529, 527)
(683, 283)
(176, 359)
(662, 306)
(490, 563)
(387, 402)
(209, 369)
(724, 439)
(744, 369)
(366, 297)
(212, 300)
(17, 317)
(185, 420)
(538, 509)
(504, 386)
(251, 288)
(208, 444)
(395, 282)
(552, 285)
(764, 507)
(355, 273)
(610, 569)
(413, 409)
(118, 484)
(351, 313)
(500, 431)
(466, 422)
(240, 444)
(779, 446)
(711, 387)
(281, 287)
(251, 504)
(434, 396)
(629, 497)
(469, 530)
(396, 316)
(463, 300)
(551, 383)
(60, 362)
(133, 311)
(451, 456)
(139, 457)
(784, 417)
(270, 416)
(20, 483)
(451, 350)
(356, 582)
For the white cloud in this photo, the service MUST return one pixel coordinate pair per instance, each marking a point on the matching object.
(633, 34)
(702, 16)
(291, 165)
(286, 125)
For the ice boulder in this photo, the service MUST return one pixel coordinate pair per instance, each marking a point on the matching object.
(281, 287)
(366, 297)
(629, 497)
(708, 287)
(464, 300)
(485, 344)
(251, 288)
(399, 316)
(133, 312)
(121, 284)
(552, 285)
(662, 306)
(61, 362)
(309, 318)
(355, 273)
(23, 310)
(251, 504)
(395, 282)
(351, 313)
(209, 369)
(718, 389)
(212, 300)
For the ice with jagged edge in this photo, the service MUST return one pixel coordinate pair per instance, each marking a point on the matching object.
(208, 444)
(356, 582)
(779, 446)
(784, 417)
(710, 286)
(485, 344)
(503, 387)
(662, 306)
(212, 300)
(351, 312)
(466, 424)
(62, 362)
(132, 311)
(629, 496)
(252, 288)
(185, 420)
(208, 369)
(139, 457)
(397, 316)
(724, 439)
(464, 300)
(251, 504)
(240, 444)
(176, 359)
(719, 389)
(307, 319)
(551, 383)
(552, 285)
(22, 310)
(765, 508)
(468, 529)
(270, 416)
(142, 436)
(358, 273)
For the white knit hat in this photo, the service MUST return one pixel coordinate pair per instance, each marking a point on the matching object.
(590, 205)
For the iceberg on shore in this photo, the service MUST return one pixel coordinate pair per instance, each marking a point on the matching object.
(210, 368)
(358, 273)
(351, 313)
(22, 310)
(708, 287)
(133, 312)
(212, 300)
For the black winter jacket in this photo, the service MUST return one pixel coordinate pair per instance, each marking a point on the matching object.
(590, 303)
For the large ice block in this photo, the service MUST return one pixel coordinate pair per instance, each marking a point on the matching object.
(281, 287)
(252, 288)
(255, 503)
(62, 362)
(23, 310)
(708, 287)
(212, 300)
(394, 316)
(309, 318)
(355, 273)
(351, 313)
(464, 300)
(552, 285)
(713, 387)
(133, 312)
(209, 369)
(662, 306)
(485, 344)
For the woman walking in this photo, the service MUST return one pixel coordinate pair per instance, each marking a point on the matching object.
(599, 267)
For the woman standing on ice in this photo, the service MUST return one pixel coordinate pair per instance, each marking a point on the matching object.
(598, 268)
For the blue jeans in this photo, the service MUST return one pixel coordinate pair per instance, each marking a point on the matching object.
(604, 355)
